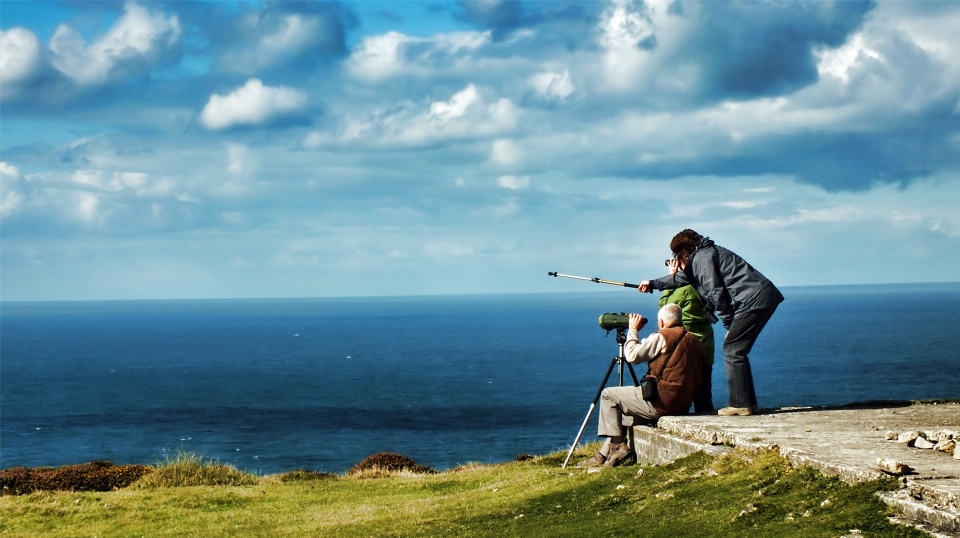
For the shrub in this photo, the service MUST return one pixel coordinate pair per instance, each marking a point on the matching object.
(93, 476)
(302, 475)
(189, 469)
(387, 461)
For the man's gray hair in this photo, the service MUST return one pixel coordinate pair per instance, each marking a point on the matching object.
(670, 314)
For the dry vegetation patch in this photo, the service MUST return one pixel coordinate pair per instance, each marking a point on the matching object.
(93, 476)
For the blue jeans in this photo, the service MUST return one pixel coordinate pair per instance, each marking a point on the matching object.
(741, 335)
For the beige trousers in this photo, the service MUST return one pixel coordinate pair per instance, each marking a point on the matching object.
(621, 407)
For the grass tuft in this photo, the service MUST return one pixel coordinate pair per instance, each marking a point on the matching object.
(189, 469)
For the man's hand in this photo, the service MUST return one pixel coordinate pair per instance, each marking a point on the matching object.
(645, 287)
(674, 266)
(637, 322)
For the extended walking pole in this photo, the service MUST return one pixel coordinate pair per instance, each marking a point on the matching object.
(595, 280)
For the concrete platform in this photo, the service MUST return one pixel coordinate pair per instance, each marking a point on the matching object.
(842, 441)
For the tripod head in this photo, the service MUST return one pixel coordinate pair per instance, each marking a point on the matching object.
(621, 336)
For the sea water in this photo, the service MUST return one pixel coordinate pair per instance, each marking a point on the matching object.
(282, 384)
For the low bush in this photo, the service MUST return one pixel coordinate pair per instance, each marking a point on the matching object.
(388, 461)
(93, 476)
(189, 469)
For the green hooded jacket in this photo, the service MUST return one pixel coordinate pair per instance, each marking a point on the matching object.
(694, 318)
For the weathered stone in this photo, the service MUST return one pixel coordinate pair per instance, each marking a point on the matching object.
(893, 467)
(892, 435)
(947, 445)
(908, 437)
(921, 442)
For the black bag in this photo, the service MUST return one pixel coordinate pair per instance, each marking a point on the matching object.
(648, 388)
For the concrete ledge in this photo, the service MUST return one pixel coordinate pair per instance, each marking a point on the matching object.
(946, 522)
(655, 447)
(846, 442)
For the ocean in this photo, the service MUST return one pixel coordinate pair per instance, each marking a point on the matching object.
(272, 385)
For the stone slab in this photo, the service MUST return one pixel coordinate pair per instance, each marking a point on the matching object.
(842, 441)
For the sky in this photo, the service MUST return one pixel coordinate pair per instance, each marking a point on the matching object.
(159, 150)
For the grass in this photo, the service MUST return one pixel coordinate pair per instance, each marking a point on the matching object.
(735, 495)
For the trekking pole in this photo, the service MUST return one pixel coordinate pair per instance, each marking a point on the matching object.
(596, 280)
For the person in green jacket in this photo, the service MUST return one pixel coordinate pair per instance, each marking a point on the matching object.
(695, 322)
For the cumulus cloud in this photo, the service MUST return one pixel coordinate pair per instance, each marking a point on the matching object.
(553, 86)
(283, 35)
(252, 104)
(20, 59)
(384, 56)
(136, 42)
(839, 61)
(466, 115)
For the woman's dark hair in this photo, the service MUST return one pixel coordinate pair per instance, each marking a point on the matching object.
(685, 241)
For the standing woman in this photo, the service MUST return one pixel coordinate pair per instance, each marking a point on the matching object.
(742, 297)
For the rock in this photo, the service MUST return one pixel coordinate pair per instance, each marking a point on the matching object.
(892, 435)
(893, 467)
(946, 445)
(956, 453)
(921, 442)
(908, 437)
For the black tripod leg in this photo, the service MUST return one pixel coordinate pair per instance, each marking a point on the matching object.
(590, 411)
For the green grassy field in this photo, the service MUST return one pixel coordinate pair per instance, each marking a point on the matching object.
(735, 495)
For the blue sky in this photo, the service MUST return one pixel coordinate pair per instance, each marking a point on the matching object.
(299, 149)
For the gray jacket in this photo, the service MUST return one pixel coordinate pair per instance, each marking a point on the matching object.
(726, 283)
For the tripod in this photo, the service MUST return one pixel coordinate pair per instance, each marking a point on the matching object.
(619, 361)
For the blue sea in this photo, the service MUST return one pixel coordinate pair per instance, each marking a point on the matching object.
(282, 384)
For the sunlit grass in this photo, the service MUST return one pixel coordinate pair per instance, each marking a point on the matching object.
(736, 495)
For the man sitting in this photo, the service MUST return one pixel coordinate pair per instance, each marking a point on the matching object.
(675, 359)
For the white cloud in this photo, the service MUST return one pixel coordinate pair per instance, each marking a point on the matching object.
(383, 56)
(554, 86)
(622, 30)
(378, 57)
(20, 57)
(514, 182)
(138, 38)
(292, 35)
(253, 104)
(465, 116)
(838, 62)
(11, 199)
(282, 38)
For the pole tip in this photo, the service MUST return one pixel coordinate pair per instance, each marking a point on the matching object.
(552, 273)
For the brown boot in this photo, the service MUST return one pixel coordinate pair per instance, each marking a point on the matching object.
(619, 453)
(596, 461)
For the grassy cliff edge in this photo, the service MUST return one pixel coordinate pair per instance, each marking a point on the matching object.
(742, 493)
